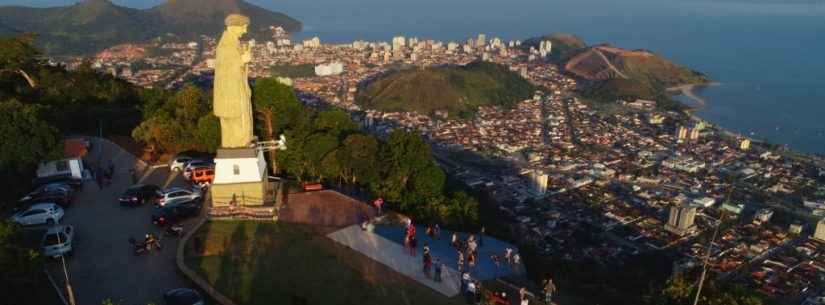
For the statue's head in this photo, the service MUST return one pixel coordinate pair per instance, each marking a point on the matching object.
(236, 24)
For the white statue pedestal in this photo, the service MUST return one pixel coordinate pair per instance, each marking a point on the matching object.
(240, 178)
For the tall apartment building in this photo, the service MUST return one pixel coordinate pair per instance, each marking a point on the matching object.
(681, 219)
(819, 234)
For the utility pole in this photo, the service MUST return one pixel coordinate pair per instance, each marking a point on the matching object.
(705, 263)
(69, 290)
(710, 245)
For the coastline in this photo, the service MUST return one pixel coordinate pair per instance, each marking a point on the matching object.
(688, 91)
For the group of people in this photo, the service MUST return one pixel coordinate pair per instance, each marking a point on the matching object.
(467, 258)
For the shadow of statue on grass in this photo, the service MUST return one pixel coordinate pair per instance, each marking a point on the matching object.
(232, 266)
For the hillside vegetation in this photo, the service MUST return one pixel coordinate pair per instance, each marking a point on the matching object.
(458, 90)
(564, 44)
(92, 25)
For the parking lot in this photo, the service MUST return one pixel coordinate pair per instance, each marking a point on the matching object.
(103, 265)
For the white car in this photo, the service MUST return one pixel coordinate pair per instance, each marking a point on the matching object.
(171, 194)
(179, 163)
(58, 241)
(38, 214)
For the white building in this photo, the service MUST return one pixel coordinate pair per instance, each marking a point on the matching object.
(329, 69)
(819, 234)
(66, 167)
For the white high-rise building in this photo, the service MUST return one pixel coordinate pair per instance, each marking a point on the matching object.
(545, 47)
(745, 144)
(398, 43)
(539, 181)
(481, 41)
(681, 220)
(819, 234)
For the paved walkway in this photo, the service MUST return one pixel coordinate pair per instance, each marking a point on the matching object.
(394, 256)
(440, 247)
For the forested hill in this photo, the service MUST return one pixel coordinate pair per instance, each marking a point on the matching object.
(458, 90)
(92, 25)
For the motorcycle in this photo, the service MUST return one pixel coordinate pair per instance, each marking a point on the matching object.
(139, 248)
(174, 231)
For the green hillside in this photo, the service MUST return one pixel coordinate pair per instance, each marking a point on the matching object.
(564, 44)
(92, 25)
(458, 90)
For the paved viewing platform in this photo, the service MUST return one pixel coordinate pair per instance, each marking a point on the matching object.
(384, 245)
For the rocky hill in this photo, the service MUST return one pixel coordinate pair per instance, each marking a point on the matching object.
(92, 25)
(459, 90)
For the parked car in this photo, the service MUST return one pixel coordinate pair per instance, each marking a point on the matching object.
(178, 192)
(140, 194)
(38, 214)
(179, 163)
(59, 196)
(176, 210)
(66, 178)
(196, 164)
(58, 241)
(202, 176)
(182, 296)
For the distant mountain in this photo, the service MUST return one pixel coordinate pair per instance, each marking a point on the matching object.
(459, 90)
(92, 25)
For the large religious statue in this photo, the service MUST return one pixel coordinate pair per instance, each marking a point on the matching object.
(232, 95)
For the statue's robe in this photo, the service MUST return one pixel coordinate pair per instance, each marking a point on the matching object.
(231, 94)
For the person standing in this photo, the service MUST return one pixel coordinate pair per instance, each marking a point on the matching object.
(508, 256)
(460, 261)
(413, 244)
(472, 245)
(549, 289)
(478, 293)
(427, 260)
(379, 203)
(437, 272)
(471, 292)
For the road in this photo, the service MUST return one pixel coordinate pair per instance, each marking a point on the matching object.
(103, 265)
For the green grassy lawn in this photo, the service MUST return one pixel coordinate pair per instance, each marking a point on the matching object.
(277, 263)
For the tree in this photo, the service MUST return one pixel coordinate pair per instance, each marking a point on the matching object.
(22, 267)
(27, 137)
(358, 158)
(276, 107)
(18, 55)
(336, 123)
(176, 125)
(27, 140)
(209, 133)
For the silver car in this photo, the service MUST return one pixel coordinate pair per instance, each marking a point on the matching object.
(38, 214)
(58, 241)
(170, 194)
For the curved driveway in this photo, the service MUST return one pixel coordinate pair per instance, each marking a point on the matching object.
(102, 265)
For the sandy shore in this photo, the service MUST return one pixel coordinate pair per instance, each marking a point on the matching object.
(687, 90)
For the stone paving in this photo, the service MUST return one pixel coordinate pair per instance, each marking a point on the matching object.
(394, 256)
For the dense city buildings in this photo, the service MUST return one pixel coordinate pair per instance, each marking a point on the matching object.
(642, 177)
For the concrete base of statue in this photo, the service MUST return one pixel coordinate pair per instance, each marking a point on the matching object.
(240, 179)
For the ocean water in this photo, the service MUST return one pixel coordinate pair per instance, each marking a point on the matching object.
(768, 56)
